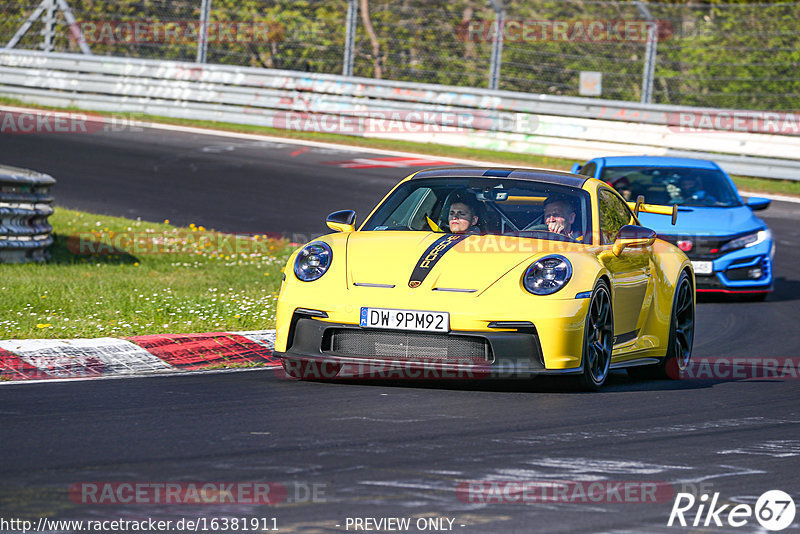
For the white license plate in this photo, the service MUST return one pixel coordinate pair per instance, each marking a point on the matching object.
(426, 321)
(703, 267)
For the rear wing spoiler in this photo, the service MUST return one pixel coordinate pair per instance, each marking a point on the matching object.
(640, 206)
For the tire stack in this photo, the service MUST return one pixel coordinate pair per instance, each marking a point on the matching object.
(25, 205)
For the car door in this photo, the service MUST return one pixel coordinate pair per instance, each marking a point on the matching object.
(630, 271)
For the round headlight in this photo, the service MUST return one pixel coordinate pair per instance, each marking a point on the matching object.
(547, 275)
(313, 261)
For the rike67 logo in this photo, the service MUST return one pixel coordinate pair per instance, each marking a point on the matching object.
(774, 510)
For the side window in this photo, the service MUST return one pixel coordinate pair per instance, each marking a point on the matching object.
(402, 215)
(614, 214)
(425, 208)
(589, 170)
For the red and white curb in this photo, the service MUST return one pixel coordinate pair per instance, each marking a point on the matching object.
(40, 359)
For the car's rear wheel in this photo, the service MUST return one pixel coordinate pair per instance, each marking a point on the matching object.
(598, 339)
(681, 336)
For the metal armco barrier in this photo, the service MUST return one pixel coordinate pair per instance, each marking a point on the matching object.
(564, 127)
(25, 205)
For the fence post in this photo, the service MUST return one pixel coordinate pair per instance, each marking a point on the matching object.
(202, 35)
(49, 29)
(350, 37)
(74, 27)
(651, 49)
(497, 43)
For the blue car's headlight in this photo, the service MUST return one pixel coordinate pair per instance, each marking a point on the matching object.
(749, 240)
(547, 275)
(313, 261)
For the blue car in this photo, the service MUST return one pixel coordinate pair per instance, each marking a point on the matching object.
(731, 249)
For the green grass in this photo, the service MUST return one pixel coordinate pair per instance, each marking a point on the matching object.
(111, 276)
(762, 185)
(786, 187)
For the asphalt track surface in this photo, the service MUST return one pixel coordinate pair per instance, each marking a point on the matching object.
(377, 448)
(226, 184)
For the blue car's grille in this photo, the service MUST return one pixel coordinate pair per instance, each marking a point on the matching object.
(702, 247)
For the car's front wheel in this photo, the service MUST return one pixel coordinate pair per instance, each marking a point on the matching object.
(598, 339)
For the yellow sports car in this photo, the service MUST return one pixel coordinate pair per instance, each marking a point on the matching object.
(473, 272)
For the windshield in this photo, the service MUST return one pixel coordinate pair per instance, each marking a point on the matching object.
(495, 206)
(684, 186)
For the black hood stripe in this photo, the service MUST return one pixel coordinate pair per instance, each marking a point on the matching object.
(432, 255)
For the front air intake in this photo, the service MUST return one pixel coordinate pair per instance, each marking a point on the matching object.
(407, 346)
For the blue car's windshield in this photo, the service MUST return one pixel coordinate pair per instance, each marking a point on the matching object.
(496, 206)
(684, 186)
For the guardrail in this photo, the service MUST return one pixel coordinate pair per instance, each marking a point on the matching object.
(566, 127)
(25, 205)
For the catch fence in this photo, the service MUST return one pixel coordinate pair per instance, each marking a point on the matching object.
(741, 56)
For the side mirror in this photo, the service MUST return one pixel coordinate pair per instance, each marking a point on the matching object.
(633, 236)
(758, 203)
(342, 221)
(576, 168)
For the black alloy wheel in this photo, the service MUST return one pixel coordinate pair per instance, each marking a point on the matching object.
(598, 339)
(681, 329)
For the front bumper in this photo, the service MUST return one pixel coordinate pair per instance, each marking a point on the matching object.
(750, 274)
(747, 270)
(326, 350)
(754, 275)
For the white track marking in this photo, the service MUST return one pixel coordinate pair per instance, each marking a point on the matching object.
(782, 448)
(265, 338)
(85, 357)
